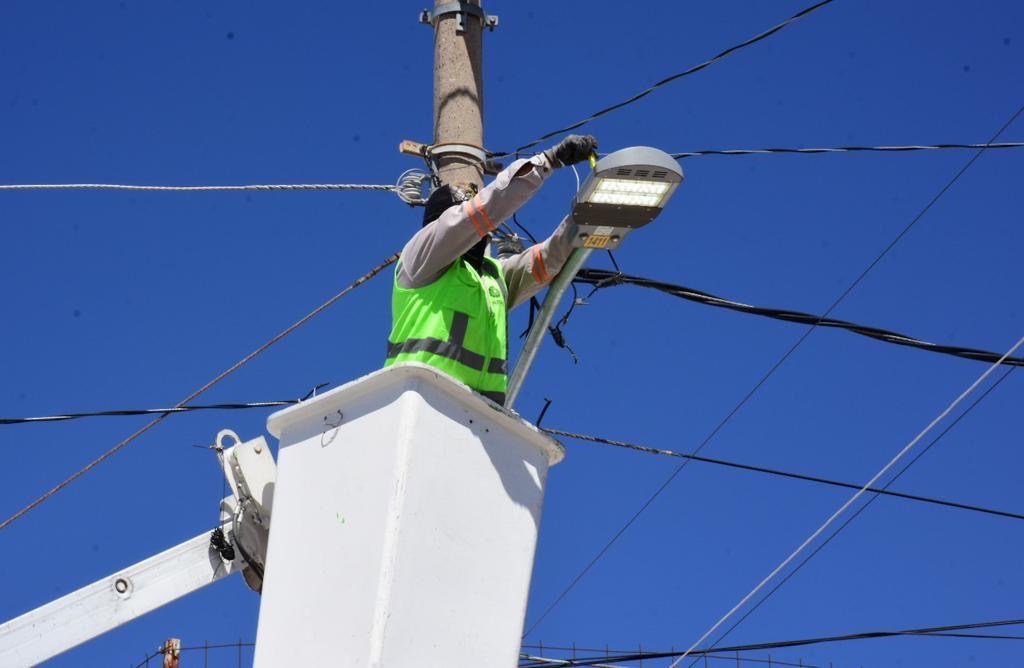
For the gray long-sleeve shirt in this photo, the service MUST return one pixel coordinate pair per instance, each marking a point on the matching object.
(435, 247)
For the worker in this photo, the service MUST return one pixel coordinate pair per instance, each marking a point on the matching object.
(450, 299)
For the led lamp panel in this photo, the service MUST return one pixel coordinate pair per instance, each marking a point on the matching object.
(624, 199)
(629, 192)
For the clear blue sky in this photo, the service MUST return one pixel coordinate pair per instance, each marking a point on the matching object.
(123, 300)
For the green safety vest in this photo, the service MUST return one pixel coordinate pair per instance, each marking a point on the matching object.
(457, 324)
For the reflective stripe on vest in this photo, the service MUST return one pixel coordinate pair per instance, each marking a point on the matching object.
(453, 348)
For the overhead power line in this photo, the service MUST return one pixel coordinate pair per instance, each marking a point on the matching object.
(123, 412)
(843, 149)
(548, 661)
(194, 189)
(768, 374)
(864, 507)
(147, 411)
(734, 659)
(555, 432)
(603, 278)
(409, 187)
(828, 522)
(219, 377)
(647, 91)
(950, 631)
(781, 474)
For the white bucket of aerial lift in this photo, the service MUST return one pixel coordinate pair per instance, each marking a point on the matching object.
(405, 523)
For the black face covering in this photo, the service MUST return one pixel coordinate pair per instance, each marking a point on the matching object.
(475, 255)
(440, 201)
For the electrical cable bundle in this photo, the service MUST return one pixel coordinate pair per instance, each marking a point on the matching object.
(603, 278)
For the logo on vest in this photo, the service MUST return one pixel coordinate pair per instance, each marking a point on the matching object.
(494, 292)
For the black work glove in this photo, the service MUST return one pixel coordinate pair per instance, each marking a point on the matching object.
(572, 149)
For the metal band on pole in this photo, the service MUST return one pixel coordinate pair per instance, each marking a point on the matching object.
(461, 10)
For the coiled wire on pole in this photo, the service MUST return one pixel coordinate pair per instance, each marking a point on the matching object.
(410, 187)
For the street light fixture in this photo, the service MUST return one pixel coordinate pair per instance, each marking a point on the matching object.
(626, 190)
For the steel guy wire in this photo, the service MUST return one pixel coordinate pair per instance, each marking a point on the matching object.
(782, 360)
(949, 631)
(270, 187)
(864, 507)
(843, 149)
(782, 474)
(219, 377)
(817, 532)
(602, 278)
(409, 185)
(668, 80)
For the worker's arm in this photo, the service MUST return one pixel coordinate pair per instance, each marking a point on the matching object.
(527, 272)
(432, 250)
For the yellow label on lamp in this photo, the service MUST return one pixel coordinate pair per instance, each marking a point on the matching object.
(597, 241)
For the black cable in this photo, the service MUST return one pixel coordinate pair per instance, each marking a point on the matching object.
(843, 149)
(557, 335)
(148, 411)
(391, 259)
(783, 474)
(556, 330)
(864, 507)
(543, 412)
(644, 93)
(564, 320)
(611, 256)
(522, 227)
(734, 659)
(602, 278)
(782, 360)
(940, 631)
(934, 631)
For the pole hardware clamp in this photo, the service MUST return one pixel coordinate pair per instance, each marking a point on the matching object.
(475, 153)
(460, 9)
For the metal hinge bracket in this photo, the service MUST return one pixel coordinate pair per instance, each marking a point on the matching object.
(251, 474)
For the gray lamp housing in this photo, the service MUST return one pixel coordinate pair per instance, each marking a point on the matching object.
(627, 189)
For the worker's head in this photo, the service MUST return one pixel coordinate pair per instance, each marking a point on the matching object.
(445, 197)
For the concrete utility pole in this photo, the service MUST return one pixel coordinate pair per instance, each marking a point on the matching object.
(459, 90)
